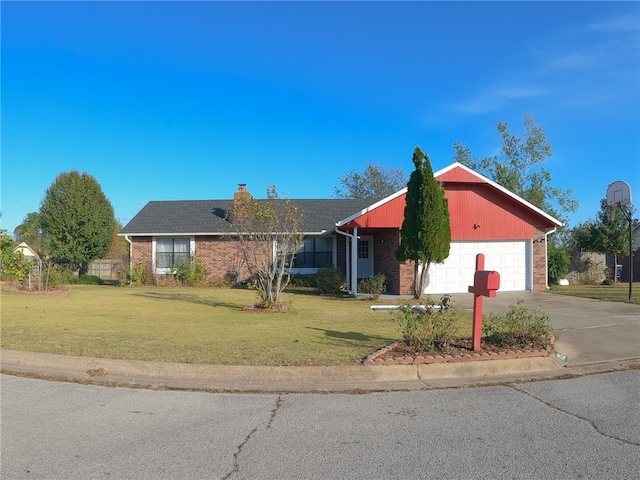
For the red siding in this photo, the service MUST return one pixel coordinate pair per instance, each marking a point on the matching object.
(500, 217)
(388, 215)
(478, 212)
(459, 175)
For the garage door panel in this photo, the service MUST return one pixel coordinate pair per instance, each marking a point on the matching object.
(456, 273)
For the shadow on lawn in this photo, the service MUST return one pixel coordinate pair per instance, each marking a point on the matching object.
(185, 297)
(354, 336)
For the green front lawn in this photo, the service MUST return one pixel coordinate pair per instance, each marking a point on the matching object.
(192, 325)
(616, 293)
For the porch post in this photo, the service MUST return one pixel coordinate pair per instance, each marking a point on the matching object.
(354, 262)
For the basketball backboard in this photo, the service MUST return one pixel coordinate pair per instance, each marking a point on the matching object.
(618, 194)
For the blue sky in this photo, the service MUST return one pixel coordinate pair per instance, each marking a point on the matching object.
(164, 101)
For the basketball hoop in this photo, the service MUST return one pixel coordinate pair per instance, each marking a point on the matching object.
(619, 196)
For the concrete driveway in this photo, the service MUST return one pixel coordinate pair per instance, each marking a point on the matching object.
(587, 330)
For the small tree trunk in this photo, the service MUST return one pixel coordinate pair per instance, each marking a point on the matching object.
(421, 281)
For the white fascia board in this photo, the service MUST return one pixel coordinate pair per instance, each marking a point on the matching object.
(220, 234)
(372, 207)
(172, 234)
(499, 187)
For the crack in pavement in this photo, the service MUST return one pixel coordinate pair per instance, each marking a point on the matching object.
(274, 411)
(272, 417)
(579, 417)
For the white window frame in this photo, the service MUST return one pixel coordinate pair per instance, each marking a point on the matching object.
(169, 270)
(312, 270)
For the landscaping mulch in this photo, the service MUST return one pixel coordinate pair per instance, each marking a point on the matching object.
(458, 350)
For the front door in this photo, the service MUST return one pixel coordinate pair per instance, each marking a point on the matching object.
(365, 256)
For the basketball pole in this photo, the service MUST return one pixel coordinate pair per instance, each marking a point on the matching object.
(619, 196)
(628, 214)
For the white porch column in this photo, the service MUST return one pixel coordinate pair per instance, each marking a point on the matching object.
(354, 262)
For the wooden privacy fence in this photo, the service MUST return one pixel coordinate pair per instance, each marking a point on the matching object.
(107, 269)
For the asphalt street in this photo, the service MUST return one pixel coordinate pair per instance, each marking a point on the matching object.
(586, 427)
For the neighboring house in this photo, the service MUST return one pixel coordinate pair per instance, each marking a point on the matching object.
(485, 218)
(30, 255)
(27, 252)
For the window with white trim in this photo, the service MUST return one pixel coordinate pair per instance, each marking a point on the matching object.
(171, 252)
(316, 252)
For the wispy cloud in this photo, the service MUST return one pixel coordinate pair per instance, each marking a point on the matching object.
(593, 65)
(620, 23)
(497, 97)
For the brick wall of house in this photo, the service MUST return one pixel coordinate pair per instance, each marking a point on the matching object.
(221, 257)
(399, 277)
(407, 283)
(141, 250)
(384, 258)
(539, 261)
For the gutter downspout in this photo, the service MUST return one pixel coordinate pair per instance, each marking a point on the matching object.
(126, 237)
(546, 256)
(352, 273)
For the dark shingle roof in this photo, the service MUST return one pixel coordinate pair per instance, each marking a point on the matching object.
(208, 216)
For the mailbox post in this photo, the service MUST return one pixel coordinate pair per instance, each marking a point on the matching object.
(485, 284)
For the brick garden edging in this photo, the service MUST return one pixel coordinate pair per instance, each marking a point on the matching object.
(374, 359)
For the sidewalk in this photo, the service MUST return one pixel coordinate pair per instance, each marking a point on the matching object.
(596, 336)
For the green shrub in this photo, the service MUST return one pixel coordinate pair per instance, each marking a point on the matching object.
(87, 280)
(138, 274)
(12, 264)
(558, 265)
(222, 282)
(518, 327)
(330, 281)
(305, 281)
(192, 274)
(430, 330)
(55, 276)
(375, 286)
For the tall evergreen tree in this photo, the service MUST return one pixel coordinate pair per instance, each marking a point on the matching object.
(425, 237)
(77, 219)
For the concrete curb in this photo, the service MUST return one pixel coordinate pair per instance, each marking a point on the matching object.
(103, 371)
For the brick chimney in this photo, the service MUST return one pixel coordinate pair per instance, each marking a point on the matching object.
(241, 199)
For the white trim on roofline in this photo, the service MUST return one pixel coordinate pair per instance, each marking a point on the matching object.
(175, 234)
(441, 172)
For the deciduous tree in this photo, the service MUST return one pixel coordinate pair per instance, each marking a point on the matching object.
(425, 236)
(608, 233)
(30, 232)
(375, 182)
(520, 168)
(76, 219)
(12, 264)
(268, 234)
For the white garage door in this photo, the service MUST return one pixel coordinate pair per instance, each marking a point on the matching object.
(511, 259)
